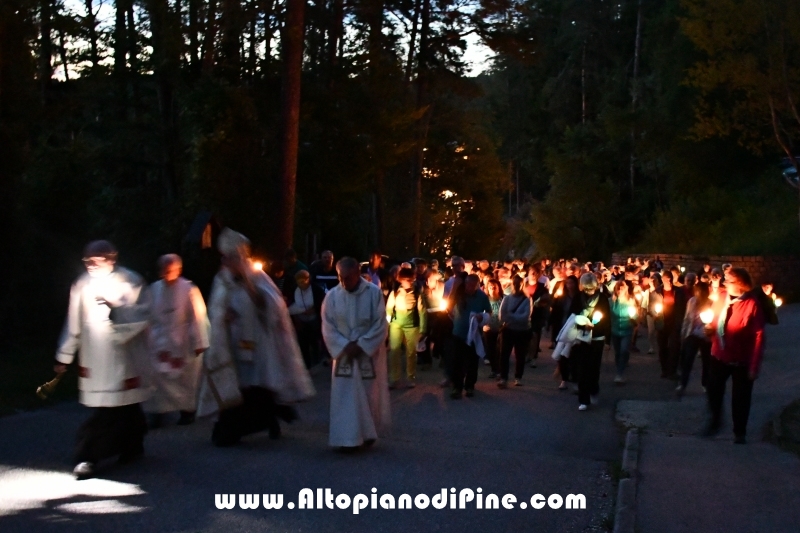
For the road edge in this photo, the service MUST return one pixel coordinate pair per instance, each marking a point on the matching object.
(625, 512)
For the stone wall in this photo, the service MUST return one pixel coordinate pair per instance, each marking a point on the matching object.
(782, 272)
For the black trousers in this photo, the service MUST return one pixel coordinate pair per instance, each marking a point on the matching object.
(491, 341)
(257, 412)
(111, 431)
(691, 345)
(588, 358)
(567, 369)
(741, 394)
(308, 337)
(465, 365)
(669, 343)
(518, 341)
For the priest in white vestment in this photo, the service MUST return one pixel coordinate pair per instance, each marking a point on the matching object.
(253, 370)
(106, 326)
(354, 329)
(178, 338)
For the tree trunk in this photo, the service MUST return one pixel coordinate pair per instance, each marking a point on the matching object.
(91, 23)
(194, 31)
(422, 132)
(412, 41)
(229, 48)
(210, 37)
(635, 95)
(62, 51)
(335, 32)
(46, 46)
(292, 44)
(583, 84)
(133, 59)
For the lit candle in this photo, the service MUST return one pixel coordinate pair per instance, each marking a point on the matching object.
(778, 302)
(683, 269)
(707, 316)
(559, 292)
(258, 265)
(596, 317)
(659, 308)
(638, 297)
(632, 312)
(713, 296)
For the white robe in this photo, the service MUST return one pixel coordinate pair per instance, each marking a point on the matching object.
(113, 360)
(270, 356)
(360, 409)
(179, 326)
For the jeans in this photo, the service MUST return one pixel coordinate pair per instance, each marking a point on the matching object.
(399, 337)
(622, 353)
(465, 365)
(688, 353)
(652, 337)
(518, 341)
(741, 394)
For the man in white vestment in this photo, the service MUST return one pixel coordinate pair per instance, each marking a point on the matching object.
(253, 370)
(106, 324)
(178, 338)
(354, 329)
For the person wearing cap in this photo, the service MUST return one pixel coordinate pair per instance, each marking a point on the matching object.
(106, 323)
(178, 338)
(253, 370)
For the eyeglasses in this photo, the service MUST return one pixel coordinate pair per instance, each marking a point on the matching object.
(94, 261)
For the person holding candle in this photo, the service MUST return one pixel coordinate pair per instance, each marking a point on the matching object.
(515, 314)
(673, 301)
(491, 331)
(738, 341)
(624, 313)
(560, 313)
(699, 314)
(590, 303)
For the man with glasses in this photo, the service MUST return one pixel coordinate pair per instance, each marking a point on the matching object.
(106, 323)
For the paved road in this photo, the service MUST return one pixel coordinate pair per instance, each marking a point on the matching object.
(524, 440)
(689, 484)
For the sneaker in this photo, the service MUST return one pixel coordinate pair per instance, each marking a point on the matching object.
(619, 380)
(518, 383)
(583, 407)
(83, 470)
(487, 362)
(739, 439)
(563, 386)
(704, 389)
(411, 384)
(594, 399)
(469, 393)
(650, 352)
(455, 394)
(444, 383)
(533, 363)
(502, 384)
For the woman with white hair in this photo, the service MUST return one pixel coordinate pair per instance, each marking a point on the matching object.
(592, 304)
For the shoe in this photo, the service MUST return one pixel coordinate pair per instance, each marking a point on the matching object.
(394, 385)
(634, 349)
(131, 456)
(155, 420)
(710, 430)
(518, 383)
(410, 384)
(187, 417)
(487, 362)
(455, 394)
(444, 383)
(502, 384)
(563, 386)
(679, 391)
(619, 380)
(469, 393)
(368, 443)
(650, 352)
(533, 363)
(739, 439)
(704, 389)
(83, 470)
(594, 399)
(583, 407)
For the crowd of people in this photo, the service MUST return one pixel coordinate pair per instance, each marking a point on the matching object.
(149, 350)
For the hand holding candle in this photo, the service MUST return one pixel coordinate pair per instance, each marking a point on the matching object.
(597, 317)
(707, 316)
(658, 308)
(632, 312)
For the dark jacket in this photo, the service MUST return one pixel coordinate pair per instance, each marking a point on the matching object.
(580, 306)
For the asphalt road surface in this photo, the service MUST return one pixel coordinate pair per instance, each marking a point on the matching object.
(523, 441)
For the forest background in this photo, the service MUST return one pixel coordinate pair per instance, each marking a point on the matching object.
(599, 126)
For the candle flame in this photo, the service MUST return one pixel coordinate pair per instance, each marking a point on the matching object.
(632, 312)
(258, 265)
(707, 316)
(597, 317)
(778, 302)
(659, 308)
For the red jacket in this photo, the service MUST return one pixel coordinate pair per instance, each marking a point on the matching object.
(744, 339)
